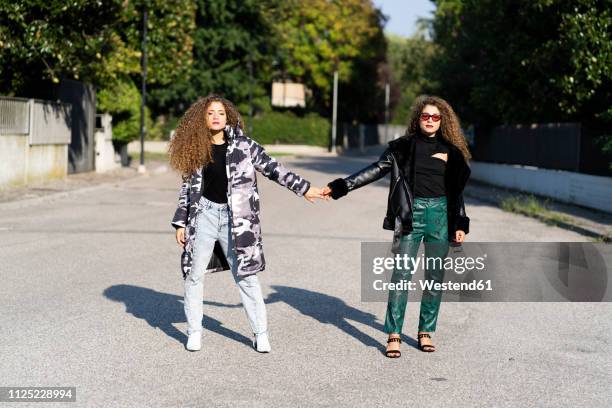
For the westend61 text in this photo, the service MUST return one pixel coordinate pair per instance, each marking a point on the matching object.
(432, 285)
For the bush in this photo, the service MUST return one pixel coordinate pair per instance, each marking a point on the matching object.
(286, 127)
(122, 101)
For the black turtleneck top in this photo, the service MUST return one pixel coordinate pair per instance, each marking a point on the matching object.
(215, 178)
(429, 179)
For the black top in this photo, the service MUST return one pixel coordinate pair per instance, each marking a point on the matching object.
(215, 178)
(429, 180)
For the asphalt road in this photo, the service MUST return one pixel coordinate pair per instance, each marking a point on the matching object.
(91, 297)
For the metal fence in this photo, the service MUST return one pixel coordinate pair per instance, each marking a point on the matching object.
(82, 97)
(51, 123)
(44, 122)
(14, 116)
(359, 136)
(561, 146)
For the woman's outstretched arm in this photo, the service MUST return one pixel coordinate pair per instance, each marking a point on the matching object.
(275, 171)
(342, 186)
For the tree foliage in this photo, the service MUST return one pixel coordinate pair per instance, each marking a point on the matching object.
(169, 40)
(318, 37)
(42, 41)
(508, 61)
(409, 60)
(229, 34)
(122, 100)
(196, 47)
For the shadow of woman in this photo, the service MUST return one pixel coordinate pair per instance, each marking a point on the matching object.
(331, 310)
(163, 310)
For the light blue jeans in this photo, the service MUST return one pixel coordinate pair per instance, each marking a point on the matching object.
(212, 224)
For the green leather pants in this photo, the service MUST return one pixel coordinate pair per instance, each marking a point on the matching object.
(429, 223)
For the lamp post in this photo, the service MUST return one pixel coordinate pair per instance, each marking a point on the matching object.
(334, 114)
(387, 94)
(250, 66)
(141, 167)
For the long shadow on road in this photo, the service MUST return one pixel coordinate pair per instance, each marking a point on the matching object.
(328, 310)
(331, 310)
(163, 310)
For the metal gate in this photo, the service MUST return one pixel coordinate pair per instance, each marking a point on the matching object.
(82, 97)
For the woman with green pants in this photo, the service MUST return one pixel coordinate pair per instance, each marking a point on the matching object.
(429, 169)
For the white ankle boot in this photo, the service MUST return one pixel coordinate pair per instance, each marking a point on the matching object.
(261, 343)
(194, 342)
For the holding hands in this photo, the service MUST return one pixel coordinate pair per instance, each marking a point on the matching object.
(315, 192)
(326, 192)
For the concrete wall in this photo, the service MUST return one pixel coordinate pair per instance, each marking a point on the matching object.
(47, 162)
(575, 188)
(13, 160)
(21, 163)
(40, 150)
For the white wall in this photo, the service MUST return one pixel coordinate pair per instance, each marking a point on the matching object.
(575, 188)
(12, 160)
(40, 150)
(151, 146)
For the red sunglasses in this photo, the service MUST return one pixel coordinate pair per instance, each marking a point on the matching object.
(435, 117)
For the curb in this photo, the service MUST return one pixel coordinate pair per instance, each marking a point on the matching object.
(589, 232)
(28, 202)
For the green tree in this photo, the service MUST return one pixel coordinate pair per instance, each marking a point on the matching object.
(42, 41)
(122, 101)
(318, 37)
(93, 41)
(169, 39)
(409, 60)
(229, 34)
(507, 61)
(169, 58)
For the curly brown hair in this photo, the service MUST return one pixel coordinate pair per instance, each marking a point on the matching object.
(191, 146)
(449, 126)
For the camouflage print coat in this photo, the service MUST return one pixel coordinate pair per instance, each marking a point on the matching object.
(244, 156)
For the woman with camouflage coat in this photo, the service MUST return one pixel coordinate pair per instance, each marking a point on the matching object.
(217, 219)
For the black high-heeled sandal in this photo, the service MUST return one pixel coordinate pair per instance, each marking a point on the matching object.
(429, 348)
(393, 353)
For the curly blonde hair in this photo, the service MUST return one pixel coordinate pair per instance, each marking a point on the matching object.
(191, 146)
(449, 126)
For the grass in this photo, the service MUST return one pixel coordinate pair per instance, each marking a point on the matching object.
(532, 207)
(602, 239)
(154, 156)
(281, 154)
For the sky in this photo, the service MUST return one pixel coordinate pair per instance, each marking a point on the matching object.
(402, 14)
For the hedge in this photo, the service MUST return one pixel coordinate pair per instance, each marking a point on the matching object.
(287, 128)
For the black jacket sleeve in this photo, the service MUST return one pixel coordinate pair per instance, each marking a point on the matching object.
(459, 175)
(462, 221)
(377, 170)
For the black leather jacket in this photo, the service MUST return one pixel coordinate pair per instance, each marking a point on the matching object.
(398, 159)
